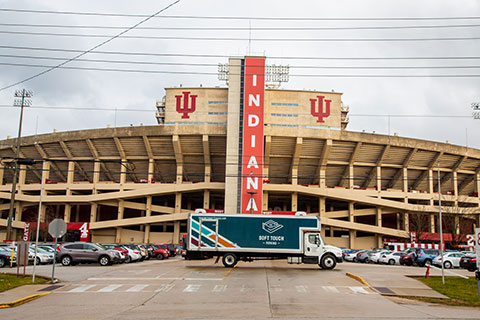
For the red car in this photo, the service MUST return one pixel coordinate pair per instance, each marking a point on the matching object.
(407, 259)
(160, 253)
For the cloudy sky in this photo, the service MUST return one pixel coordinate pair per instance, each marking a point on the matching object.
(331, 34)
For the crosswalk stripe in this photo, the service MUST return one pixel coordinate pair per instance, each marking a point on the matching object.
(110, 288)
(192, 288)
(358, 290)
(330, 289)
(165, 288)
(301, 289)
(137, 288)
(82, 288)
(220, 288)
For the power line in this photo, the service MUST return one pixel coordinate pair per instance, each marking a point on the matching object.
(242, 28)
(193, 55)
(216, 73)
(240, 17)
(216, 64)
(93, 48)
(178, 38)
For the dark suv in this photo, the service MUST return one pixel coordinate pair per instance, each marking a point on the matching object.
(78, 252)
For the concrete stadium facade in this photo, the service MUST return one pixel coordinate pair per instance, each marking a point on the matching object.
(138, 184)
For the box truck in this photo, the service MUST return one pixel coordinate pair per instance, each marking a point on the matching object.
(248, 237)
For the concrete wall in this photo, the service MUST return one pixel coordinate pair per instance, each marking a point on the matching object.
(365, 243)
(337, 242)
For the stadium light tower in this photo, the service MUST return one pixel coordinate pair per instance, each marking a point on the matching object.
(476, 110)
(22, 101)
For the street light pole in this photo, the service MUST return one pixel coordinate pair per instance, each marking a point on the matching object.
(440, 222)
(23, 102)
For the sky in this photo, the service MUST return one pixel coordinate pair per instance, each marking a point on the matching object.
(425, 107)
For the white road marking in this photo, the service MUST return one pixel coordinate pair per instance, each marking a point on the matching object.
(156, 278)
(137, 288)
(301, 289)
(165, 288)
(244, 288)
(192, 288)
(82, 288)
(110, 288)
(220, 288)
(276, 288)
(331, 289)
(358, 290)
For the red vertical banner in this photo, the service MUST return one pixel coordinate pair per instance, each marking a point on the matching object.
(252, 157)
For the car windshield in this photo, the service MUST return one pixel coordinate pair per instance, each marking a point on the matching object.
(101, 246)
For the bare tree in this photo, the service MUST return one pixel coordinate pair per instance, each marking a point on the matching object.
(457, 218)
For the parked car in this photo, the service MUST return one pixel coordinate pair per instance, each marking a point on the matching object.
(407, 259)
(362, 256)
(425, 256)
(450, 260)
(83, 252)
(5, 256)
(390, 258)
(161, 253)
(134, 255)
(142, 251)
(469, 262)
(351, 256)
(124, 252)
(43, 256)
(375, 255)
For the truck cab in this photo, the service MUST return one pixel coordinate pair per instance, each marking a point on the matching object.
(316, 252)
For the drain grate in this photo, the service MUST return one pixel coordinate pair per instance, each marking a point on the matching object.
(384, 290)
(51, 288)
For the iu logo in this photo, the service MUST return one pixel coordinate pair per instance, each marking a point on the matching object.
(186, 109)
(320, 113)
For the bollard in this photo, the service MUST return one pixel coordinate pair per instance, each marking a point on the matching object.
(427, 273)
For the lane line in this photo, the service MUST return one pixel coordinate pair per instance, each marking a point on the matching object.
(220, 288)
(229, 272)
(358, 290)
(110, 288)
(331, 289)
(192, 288)
(153, 279)
(137, 288)
(82, 288)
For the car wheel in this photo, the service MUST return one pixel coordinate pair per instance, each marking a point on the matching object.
(66, 260)
(366, 260)
(472, 269)
(3, 262)
(328, 262)
(447, 265)
(159, 256)
(229, 260)
(354, 260)
(128, 259)
(104, 261)
(38, 261)
(391, 262)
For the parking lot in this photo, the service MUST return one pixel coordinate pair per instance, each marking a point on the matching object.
(176, 288)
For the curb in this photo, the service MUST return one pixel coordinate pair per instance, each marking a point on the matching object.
(23, 300)
(358, 278)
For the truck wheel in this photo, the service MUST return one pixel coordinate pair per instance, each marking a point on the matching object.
(229, 260)
(328, 262)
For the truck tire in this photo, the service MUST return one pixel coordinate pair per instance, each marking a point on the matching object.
(229, 260)
(328, 262)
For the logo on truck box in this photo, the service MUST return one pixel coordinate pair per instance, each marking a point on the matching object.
(271, 226)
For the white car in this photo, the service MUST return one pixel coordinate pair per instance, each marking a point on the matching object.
(450, 259)
(134, 255)
(352, 255)
(390, 258)
(375, 256)
(43, 256)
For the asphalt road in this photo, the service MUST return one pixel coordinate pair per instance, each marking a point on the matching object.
(178, 289)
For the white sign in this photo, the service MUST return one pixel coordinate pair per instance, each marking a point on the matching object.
(477, 246)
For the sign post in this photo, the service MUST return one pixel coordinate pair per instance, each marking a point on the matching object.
(57, 228)
(477, 252)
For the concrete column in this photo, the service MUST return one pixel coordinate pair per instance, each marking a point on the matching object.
(294, 176)
(430, 180)
(406, 222)
(351, 239)
(71, 172)
(208, 173)
(123, 172)
(118, 236)
(22, 174)
(93, 212)
(18, 211)
(265, 200)
(351, 178)
(176, 231)
(457, 224)
(151, 169)
(178, 202)
(67, 213)
(2, 173)
(121, 209)
(148, 208)
(206, 199)
(294, 201)
(179, 179)
(146, 235)
(477, 184)
(454, 183)
(379, 224)
(379, 178)
(96, 172)
(398, 221)
(405, 179)
(323, 177)
(321, 206)
(77, 213)
(432, 223)
(351, 212)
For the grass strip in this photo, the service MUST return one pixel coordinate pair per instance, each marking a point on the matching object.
(462, 292)
(8, 281)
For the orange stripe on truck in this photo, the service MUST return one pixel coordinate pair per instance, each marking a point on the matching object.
(222, 242)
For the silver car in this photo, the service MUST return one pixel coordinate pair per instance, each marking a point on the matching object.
(84, 252)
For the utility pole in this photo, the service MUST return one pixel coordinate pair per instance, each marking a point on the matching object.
(22, 101)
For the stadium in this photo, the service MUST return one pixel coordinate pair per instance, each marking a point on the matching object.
(248, 148)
